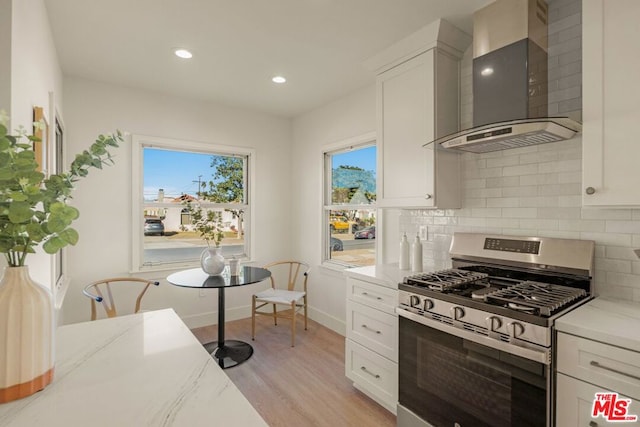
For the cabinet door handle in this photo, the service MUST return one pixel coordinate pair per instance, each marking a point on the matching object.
(598, 365)
(371, 296)
(371, 329)
(427, 196)
(364, 369)
(593, 424)
(590, 190)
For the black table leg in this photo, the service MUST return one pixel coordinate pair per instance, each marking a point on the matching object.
(227, 353)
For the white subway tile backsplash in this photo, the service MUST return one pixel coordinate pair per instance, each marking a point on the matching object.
(613, 265)
(560, 166)
(503, 181)
(520, 170)
(567, 177)
(569, 201)
(598, 213)
(540, 224)
(620, 252)
(610, 239)
(519, 212)
(503, 202)
(632, 227)
(622, 279)
(523, 191)
(539, 179)
(502, 161)
(582, 225)
(486, 212)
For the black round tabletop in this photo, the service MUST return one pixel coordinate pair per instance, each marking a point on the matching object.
(197, 278)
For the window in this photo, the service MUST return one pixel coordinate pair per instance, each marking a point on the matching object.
(168, 177)
(349, 211)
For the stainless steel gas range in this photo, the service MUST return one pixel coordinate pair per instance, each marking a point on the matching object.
(476, 341)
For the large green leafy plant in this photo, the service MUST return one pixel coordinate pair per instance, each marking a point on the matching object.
(33, 208)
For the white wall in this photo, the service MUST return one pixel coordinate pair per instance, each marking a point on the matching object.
(348, 117)
(35, 72)
(104, 198)
(5, 54)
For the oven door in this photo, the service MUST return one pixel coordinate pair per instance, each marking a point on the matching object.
(449, 378)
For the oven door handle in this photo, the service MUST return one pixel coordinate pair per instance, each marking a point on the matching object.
(538, 355)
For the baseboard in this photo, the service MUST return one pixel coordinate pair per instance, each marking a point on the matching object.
(337, 325)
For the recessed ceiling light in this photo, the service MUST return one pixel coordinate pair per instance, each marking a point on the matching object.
(183, 53)
(278, 79)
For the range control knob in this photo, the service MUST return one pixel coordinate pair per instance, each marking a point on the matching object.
(457, 313)
(515, 329)
(414, 301)
(428, 304)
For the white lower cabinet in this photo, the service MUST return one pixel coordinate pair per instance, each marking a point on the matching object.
(575, 404)
(586, 368)
(371, 352)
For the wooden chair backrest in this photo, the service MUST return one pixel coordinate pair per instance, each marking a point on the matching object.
(100, 292)
(298, 273)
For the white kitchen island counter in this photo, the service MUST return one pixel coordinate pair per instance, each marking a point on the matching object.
(141, 370)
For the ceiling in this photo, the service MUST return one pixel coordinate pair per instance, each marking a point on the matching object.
(238, 45)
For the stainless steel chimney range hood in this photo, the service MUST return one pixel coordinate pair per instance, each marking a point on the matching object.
(510, 81)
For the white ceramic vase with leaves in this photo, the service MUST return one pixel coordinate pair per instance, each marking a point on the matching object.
(33, 212)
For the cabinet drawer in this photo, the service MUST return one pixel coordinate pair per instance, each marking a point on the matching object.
(373, 329)
(372, 373)
(611, 367)
(385, 299)
(574, 405)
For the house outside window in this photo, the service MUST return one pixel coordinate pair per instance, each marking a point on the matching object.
(349, 208)
(171, 175)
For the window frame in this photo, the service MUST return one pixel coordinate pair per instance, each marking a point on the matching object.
(361, 141)
(138, 143)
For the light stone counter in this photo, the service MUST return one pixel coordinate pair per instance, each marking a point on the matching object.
(388, 275)
(609, 321)
(140, 370)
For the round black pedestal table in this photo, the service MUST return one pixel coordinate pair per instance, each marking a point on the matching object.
(231, 352)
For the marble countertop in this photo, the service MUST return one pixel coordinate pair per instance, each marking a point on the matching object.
(606, 320)
(388, 275)
(140, 370)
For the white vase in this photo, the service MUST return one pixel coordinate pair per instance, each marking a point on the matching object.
(26, 335)
(212, 261)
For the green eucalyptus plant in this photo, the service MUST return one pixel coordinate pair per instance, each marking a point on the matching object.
(207, 222)
(33, 208)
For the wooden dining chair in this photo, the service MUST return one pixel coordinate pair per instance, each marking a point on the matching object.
(101, 292)
(292, 294)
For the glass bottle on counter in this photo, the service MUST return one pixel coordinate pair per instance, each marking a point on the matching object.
(404, 253)
(416, 254)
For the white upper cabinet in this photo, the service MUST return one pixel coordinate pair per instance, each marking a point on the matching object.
(417, 102)
(611, 107)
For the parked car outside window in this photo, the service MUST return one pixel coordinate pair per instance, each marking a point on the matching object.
(366, 233)
(153, 226)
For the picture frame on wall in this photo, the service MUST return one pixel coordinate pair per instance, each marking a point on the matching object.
(41, 147)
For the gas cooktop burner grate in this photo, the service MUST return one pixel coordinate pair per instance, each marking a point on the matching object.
(445, 279)
(538, 297)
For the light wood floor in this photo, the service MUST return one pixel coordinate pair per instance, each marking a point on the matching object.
(300, 386)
